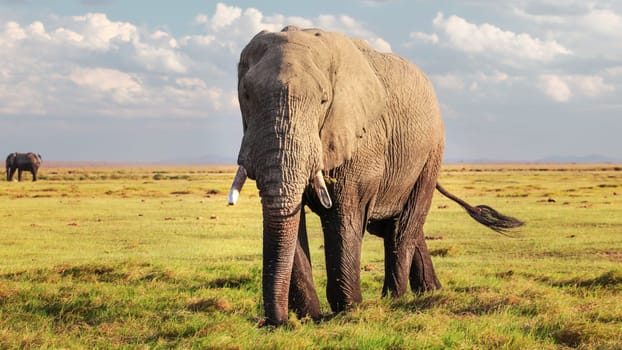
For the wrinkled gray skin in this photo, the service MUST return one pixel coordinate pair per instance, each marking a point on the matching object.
(317, 101)
(22, 162)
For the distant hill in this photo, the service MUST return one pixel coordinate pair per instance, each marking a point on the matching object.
(594, 158)
(205, 159)
(231, 160)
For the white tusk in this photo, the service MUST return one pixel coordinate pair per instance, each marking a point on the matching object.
(320, 188)
(236, 186)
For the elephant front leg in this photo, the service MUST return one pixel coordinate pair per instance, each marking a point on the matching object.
(342, 243)
(19, 174)
(303, 299)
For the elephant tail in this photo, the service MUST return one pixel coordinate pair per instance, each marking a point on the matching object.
(484, 214)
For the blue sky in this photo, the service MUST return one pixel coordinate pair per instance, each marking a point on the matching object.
(112, 80)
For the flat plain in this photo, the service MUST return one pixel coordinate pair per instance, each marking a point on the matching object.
(152, 257)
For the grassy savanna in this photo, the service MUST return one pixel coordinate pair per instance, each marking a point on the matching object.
(152, 257)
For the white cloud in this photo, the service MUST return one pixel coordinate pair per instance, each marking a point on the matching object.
(448, 81)
(487, 39)
(235, 26)
(474, 86)
(592, 86)
(91, 65)
(586, 17)
(104, 79)
(68, 36)
(353, 28)
(419, 36)
(14, 31)
(603, 21)
(225, 16)
(101, 33)
(38, 29)
(158, 58)
(576, 40)
(191, 82)
(561, 88)
(540, 19)
(201, 19)
(555, 87)
(496, 76)
(614, 71)
(379, 44)
(233, 100)
(592, 29)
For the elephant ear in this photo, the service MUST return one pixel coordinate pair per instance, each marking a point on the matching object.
(358, 100)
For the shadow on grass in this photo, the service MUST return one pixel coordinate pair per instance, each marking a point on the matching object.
(127, 272)
(609, 279)
(230, 282)
(210, 305)
(421, 302)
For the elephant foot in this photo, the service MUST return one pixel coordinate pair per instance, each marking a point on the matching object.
(418, 286)
(303, 299)
(342, 304)
(264, 323)
(422, 275)
(310, 309)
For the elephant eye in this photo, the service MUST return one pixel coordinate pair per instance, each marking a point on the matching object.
(243, 91)
(324, 98)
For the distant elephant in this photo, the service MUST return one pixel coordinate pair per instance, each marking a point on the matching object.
(22, 162)
(355, 135)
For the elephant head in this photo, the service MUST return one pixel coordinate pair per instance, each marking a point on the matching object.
(11, 164)
(306, 98)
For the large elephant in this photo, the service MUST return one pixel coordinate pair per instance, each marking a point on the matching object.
(22, 162)
(355, 135)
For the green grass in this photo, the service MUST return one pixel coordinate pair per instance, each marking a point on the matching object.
(154, 258)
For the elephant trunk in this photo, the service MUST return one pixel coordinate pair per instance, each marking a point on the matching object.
(281, 219)
(283, 157)
(283, 167)
(281, 185)
(279, 243)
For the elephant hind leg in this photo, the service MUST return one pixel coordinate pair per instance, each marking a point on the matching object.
(422, 274)
(407, 259)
